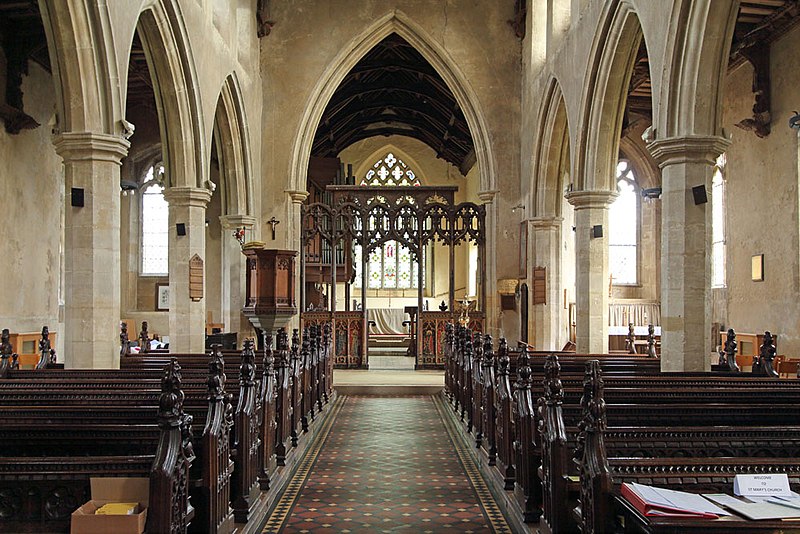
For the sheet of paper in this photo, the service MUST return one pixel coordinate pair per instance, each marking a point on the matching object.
(763, 510)
(722, 499)
(763, 485)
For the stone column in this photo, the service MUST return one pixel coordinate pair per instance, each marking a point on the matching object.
(91, 248)
(591, 262)
(686, 162)
(234, 264)
(294, 240)
(545, 235)
(489, 285)
(187, 318)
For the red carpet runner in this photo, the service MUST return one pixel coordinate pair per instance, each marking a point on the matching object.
(386, 464)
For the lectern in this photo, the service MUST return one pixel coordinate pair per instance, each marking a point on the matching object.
(270, 301)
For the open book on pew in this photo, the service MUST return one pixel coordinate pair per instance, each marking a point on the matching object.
(662, 502)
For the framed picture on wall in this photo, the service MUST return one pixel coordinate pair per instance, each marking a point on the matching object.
(162, 297)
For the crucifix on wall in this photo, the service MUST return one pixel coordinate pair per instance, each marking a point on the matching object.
(273, 222)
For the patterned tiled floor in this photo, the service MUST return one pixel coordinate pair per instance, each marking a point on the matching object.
(387, 464)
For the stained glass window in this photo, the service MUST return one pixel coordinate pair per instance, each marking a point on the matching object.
(718, 224)
(391, 266)
(155, 224)
(623, 222)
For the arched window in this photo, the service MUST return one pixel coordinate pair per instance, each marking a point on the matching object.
(389, 171)
(718, 224)
(623, 222)
(155, 223)
(391, 266)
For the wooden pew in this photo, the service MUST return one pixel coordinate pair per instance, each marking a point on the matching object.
(133, 394)
(46, 490)
(600, 476)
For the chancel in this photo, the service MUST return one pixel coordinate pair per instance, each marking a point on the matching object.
(410, 265)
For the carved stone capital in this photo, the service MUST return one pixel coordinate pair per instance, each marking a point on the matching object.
(545, 223)
(591, 199)
(193, 197)
(231, 222)
(297, 196)
(487, 197)
(90, 146)
(688, 149)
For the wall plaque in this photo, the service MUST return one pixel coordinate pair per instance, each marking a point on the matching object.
(540, 285)
(196, 278)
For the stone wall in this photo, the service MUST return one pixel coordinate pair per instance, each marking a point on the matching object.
(32, 189)
(762, 204)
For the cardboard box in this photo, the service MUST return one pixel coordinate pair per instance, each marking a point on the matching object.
(105, 490)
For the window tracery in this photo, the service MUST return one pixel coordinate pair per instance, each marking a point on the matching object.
(390, 266)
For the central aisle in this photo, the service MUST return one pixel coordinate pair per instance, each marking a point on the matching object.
(386, 464)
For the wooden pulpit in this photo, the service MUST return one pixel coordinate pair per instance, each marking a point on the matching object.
(270, 301)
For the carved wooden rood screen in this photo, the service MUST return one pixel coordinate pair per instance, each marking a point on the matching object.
(414, 218)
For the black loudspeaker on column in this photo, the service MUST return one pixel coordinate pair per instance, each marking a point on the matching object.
(77, 197)
(699, 194)
(181, 228)
(597, 230)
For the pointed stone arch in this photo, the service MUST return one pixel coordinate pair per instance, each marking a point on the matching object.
(230, 131)
(401, 24)
(175, 85)
(613, 53)
(696, 59)
(74, 27)
(552, 154)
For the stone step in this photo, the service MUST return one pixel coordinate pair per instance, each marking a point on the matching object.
(381, 361)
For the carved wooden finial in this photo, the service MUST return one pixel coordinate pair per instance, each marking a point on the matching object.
(124, 341)
(488, 350)
(503, 360)
(295, 350)
(269, 355)
(247, 371)
(523, 368)
(728, 354)
(144, 338)
(630, 340)
(767, 355)
(216, 373)
(651, 341)
(170, 403)
(282, 348)
(553, 389)
(5, 352)
(46, 353)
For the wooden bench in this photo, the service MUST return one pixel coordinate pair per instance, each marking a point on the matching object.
(36, 399)
(600, 476)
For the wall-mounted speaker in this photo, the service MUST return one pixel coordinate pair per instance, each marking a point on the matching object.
(77, 197)
(181, 228)
(597, 230)
(699, 194)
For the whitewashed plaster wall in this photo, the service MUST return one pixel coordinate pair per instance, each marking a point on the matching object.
(762, 204)
(31, 221)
